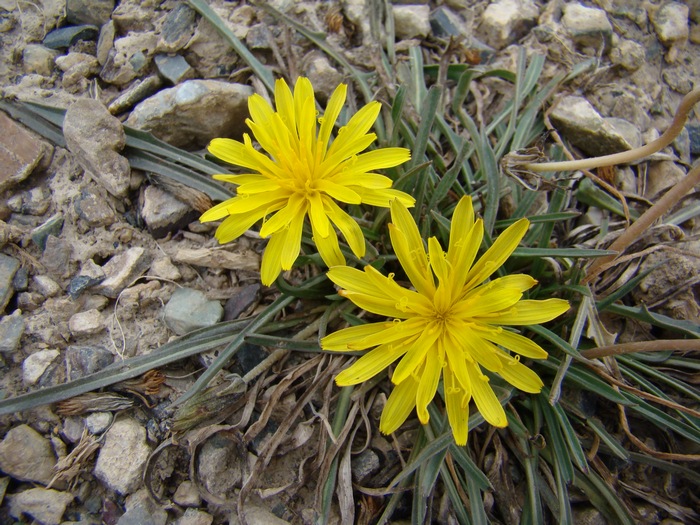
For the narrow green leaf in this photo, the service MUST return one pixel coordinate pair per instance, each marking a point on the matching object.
(613, 444)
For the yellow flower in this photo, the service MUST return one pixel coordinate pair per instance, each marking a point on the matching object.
(305, 174)
(451, 327)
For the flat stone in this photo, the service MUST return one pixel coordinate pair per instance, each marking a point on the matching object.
(105, 42)
(661, 176)
(21, 280)
(93, 208)
(56, 256)
(628, 54)
(125, 439)
(11, 330)
(67, 36)
(190, 309)
(26, 455)
(135, 93)
(218, 258)
(47, 506)
(8, 268)
(506, 21)
(94, 12)
(194, 517)
(98, 422)
(587, 26)
(95, 137)
(178, 27)
(38, 59)
(411, 21)
(324, 77)
(36, 364)
(240, 301)
(129, 58)
(187, 495)
(41, 233)
(35, 201)
(583, 126)
(46, 286)
(163, 213)
(142, 510)
(82, 360)
(86, 323)
(164, 268)
(173, 68)
(194, 112)
(364, 465)
(670, 23)
(21, 152)
(121, 270)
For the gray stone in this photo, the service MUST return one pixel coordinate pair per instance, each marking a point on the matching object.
(194, 517)
(173, 68)
(98, 422)
(694, 137)
(73, 427)
(95, 137)
(82, 360)
(38, 59)
(67, 36)
(8, 267)
(142, 510)
(164, 268)
(581, 124)
(21, 152)
(364, 465)
(240, 301)
(324, 77)
(628, 131)
(121, 270)
(21, 280)
(129, 58)
(11, 330)
(125, 439)
(90, 275)
(86, 323)
(163, 213)
(670, 23)
(194, 112)
(32, 202)
(36, 364)
(95, 12)
(56, 256)
(47, 506)
(75, 59)
(258, 36)
(41, 233)
(77, 69)
(187, 495)
(26, 455)
(587, 26)
(190, 309)
(46, 286)
(411, 21)
(628, 54)
(94, 208)
(257, 515)
(505, 21)
(178, 27)
(134, 94)
(661, 176)
(105, 42)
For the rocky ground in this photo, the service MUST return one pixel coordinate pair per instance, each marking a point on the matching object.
(102, 261)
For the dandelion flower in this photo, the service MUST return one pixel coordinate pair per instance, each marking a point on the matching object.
(306, 173)
(452, 325)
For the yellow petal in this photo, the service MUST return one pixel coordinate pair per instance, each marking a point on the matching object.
(317, 214)
(370, 364)
(379, 159)
(383, 198)
(338, 192)
(437, 260)
(414, 261)
(272, 258)
(457, 362)
(342, 339)
(529, 312)
(395, 331)
(514, 342)
(296, 207)
(399, 406)
(328, 248)
(520, 376)
(292, 244)
(495, 256)
(365, 180)
(348, 227)
(376, 305)
(457, 405)
(335, 105)
(413, 360)
(284, 103)
(236, 225)
(429, 379)
(486, 401)
(359, 124)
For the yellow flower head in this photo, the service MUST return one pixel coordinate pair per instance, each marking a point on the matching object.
(451, 325)
(305, 174)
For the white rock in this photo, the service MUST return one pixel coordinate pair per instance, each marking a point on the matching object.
(44, 505)
(194, 517)
(671, 23)
(505, 21)
(46, 286)
(628, 54)
(187, 495)
(38, 59)
(86, 323)
(36, 364)
(123, 456)
(587, 26)
(121, 270)
(411, 21)
(26, 455)
(98, 422)
(164, 268)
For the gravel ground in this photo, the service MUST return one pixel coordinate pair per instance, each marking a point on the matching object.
(101, 260)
